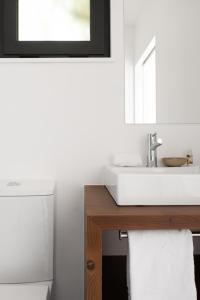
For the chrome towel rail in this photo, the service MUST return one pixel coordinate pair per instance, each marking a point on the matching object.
(124, 234)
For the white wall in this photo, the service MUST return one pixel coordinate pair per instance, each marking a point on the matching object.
(64, 120)
(129, 72)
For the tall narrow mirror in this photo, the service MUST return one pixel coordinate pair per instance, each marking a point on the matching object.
(162, 61)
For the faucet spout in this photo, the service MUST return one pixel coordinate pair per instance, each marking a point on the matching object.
(153, 144)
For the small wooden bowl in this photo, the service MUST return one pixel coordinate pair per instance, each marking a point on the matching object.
(175, 161)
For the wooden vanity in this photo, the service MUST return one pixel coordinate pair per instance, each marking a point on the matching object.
(102, 213)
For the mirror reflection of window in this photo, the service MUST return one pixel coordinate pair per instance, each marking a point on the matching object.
(145, 86)
(54, 20)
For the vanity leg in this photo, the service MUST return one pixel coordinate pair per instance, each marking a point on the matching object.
(93, 261)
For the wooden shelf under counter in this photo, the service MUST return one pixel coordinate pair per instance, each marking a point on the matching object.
(102, 213)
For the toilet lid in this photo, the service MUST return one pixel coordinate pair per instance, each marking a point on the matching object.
(23, 292)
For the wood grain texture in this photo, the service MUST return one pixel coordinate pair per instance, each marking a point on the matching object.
(93, 261)
(102, 213)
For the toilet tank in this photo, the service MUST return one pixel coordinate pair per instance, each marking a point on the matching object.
(26, 231)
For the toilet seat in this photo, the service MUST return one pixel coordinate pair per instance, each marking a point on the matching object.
(23, 292)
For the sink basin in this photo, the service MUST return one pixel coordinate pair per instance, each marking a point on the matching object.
(153, 186)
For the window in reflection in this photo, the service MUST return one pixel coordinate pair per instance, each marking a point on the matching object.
(145, 86)
(54, 20)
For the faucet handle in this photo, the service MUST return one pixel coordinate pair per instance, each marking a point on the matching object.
(159, 141)
(154, 134)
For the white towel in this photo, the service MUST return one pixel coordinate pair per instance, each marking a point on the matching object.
(161, 265)
(127, 160)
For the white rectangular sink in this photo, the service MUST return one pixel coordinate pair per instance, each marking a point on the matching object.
(153, 186)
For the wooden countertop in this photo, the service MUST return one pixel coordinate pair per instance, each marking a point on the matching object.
(101, 207)
(102, 213)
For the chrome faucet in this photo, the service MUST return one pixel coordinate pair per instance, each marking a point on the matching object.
(153, 144)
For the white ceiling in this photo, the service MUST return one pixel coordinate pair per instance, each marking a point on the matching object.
(132, 9)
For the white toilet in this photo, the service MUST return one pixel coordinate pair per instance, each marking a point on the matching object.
(26, 239)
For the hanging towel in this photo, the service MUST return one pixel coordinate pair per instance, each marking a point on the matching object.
(161, 265)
